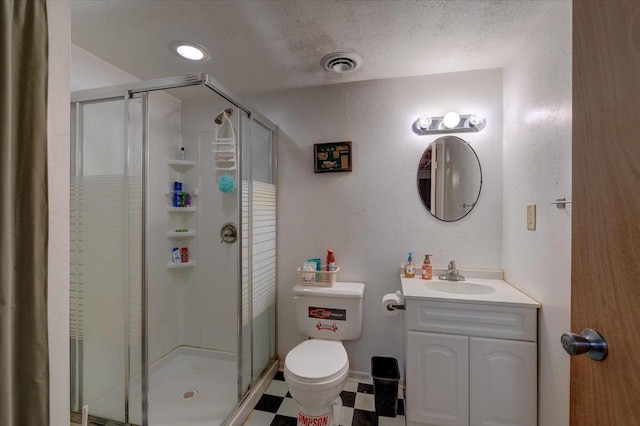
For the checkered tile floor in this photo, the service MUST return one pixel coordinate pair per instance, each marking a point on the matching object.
(277, 408)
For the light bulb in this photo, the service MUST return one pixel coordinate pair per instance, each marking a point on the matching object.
(424, 122)
(451, 119)
(475, 120)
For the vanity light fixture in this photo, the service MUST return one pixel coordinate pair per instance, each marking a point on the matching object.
(451, 122)
(191, 51)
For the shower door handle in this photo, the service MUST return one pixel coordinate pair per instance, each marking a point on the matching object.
(228, 233)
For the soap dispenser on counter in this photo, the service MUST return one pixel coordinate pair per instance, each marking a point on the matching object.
(427, 269)
(409, 267)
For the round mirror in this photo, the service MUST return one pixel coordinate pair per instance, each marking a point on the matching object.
(449, 178)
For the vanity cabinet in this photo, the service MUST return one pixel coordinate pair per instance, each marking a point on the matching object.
(437, 380)
(502, 382)
(470, 364)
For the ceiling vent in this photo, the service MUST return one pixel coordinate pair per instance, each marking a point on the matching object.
(341, 62)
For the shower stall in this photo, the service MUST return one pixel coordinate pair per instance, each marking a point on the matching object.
(173, 253)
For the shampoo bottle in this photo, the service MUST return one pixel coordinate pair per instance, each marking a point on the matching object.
(409, 267)
(427, 270)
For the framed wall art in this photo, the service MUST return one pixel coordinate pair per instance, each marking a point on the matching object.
(332, 157)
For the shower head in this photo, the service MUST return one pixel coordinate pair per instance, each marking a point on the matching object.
(228, 111)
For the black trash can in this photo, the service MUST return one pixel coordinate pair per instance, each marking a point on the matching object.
(386, 376)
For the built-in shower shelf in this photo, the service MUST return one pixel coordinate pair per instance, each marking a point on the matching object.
(194, 193)
(181, 209)
(179, 235)
(189, 264)
(181, 163)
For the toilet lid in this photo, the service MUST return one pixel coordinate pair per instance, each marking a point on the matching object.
(317, 359)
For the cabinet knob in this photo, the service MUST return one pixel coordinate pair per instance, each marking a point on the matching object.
(589, 342)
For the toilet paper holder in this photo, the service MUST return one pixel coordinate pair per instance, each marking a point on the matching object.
(392, 303)
(394, 307)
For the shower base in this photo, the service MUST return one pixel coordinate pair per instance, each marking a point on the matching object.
(187, 387)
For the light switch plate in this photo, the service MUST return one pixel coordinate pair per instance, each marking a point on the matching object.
(531, 217)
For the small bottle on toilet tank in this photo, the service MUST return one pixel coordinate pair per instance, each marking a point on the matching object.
(331, 260)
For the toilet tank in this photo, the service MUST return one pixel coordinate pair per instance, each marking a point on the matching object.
(333, 313)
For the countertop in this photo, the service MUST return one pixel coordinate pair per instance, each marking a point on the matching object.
(497, 292)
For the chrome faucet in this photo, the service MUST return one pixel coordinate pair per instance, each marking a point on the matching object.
(452, 273)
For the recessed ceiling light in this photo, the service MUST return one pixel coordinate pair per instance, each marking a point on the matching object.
(191, 51)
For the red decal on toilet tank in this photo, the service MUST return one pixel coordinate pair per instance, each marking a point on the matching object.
(304, 420)
(328, 313)
(330, 327)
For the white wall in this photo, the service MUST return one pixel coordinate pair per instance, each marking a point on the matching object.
(167, 290)
(59, 17)
(373, 215)
(537, 169)
(88, 71)
(212, 311)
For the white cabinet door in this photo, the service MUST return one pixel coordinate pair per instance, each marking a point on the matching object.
(438, 379)
(503, 382)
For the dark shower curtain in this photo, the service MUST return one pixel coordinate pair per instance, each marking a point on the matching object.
(24, 355)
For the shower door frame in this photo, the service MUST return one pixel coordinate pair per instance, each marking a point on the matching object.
(78, 100)
(140, 90)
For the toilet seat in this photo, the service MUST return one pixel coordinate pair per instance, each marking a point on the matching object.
(317, 361)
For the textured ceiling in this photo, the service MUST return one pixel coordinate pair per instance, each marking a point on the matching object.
(265, 45)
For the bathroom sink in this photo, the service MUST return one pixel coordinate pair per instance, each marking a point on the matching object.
(473, 290)
(460, 287)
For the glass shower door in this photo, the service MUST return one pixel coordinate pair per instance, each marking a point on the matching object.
(258, 346)
(263, 246)
(105, 256)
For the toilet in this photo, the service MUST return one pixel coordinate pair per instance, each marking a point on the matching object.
(316, 370)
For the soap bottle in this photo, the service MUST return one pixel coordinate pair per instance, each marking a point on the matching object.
(427, 270)
(409, 267)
